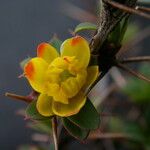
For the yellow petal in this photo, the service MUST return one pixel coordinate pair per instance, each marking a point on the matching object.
(60, 63)
(92, 74)
(74, 106)
(70, 87)
(47, 52)
(54, 90)
(44, 105)
(35, 71)
(60, 96)
(78, 47)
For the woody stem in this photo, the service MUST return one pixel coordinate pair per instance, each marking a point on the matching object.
(54, 130)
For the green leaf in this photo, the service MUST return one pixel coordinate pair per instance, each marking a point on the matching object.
(22, 63)
(55, 42)
(74, 130)
(32, 112)
(124, 26)
(44, 126)
(85, 26)
(114, 36)
(87, 118)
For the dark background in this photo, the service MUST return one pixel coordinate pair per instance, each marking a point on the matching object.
(23, 25)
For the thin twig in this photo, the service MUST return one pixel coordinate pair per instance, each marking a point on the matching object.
(128, 9)
(138, 38)
(142, 8)
(54, 130)
(135, 59)
(19, 97)
(108, 136)
(136, 74)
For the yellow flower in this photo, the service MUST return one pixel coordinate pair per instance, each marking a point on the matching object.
(61, 79)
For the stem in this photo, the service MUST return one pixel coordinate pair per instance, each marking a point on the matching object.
(19, 97)
(54, 130)
(135, 59)
(128, 9)
(142, 8)
(136, 74)
(108, 136)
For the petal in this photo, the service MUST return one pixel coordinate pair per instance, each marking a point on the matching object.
(92, 74)
(35, 71)
(74, 106)
(78, 47)
(57, 93)
(70, 87)
(44, 105)
(47, 52)
(61, 97)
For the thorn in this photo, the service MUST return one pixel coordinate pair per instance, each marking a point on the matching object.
(19, 97)
(136, 74)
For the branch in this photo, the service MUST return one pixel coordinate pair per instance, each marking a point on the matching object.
(135, 59)
(128, 9)
(136, 74)
(109, 18)
(142, 8)
(54, 130)
(94, 136)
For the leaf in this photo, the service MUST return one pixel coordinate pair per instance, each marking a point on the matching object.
(32, 112)
(44, 126)
(23, 62)
(87, 118)
(55, 42)
(114, 36)
(124, 26)
(74, 130)
(85, 26)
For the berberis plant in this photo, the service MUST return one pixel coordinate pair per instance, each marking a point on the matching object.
(63, 73)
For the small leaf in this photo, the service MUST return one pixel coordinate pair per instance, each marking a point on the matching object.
(55, 42)
(124, 26)
(32, 112)
(114, 36)
(85, 26)
(87, 118)
(22, 63)
(74, 130)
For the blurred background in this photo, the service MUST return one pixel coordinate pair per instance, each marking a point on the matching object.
(26, 23)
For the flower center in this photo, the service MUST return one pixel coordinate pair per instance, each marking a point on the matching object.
(65, 78)
(65, 75)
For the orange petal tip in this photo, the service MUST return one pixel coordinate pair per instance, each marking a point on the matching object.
(29, 70)
(41, 48)
(76, 40)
